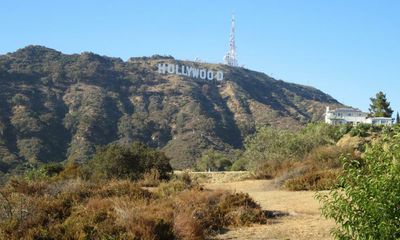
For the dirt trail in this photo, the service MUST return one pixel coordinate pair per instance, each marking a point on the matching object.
(303, 222)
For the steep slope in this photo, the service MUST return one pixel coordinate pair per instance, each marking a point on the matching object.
(55, 106)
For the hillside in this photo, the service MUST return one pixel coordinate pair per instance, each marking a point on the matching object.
(56, 107)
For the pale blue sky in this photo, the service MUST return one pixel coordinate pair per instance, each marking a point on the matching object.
(347, 48)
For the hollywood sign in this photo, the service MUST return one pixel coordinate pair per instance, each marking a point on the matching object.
(202, 73)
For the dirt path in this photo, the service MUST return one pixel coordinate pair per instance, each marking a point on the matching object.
(304, 220)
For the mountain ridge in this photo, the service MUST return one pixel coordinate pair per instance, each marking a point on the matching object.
(57, 106)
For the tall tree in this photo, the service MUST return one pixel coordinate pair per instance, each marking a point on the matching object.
(397, 118)
(379, 106)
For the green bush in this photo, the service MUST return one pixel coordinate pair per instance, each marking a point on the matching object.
(361, 130)
(52, 169)
(270, 147)
(213, 161)
(366, 206)
(365, 130)
(323, 133)
(128, 162)
(239, 165)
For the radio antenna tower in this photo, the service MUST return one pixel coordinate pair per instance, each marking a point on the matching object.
(230, 58)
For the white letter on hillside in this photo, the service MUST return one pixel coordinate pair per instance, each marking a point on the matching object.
(210, 75)
(171, 68)
(162, 68)
(177, 70)
(203, 74)
(220, 75)
(195, 72)
(183, 68)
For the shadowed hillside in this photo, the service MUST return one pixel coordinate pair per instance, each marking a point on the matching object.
(55, 106)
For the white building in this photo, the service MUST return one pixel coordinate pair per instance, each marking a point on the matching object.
(353, 116)
(380, 121)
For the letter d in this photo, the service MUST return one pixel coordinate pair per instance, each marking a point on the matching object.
(220, 75)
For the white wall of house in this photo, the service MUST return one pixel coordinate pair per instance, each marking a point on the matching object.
(353, 116)
(380, 121)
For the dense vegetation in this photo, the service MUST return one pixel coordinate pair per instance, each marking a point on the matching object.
(306, 159)
(57, 202)
(215, 161)
(128, 162)
(367, 203)
(272, 146)
(73, 208)
(55, 107)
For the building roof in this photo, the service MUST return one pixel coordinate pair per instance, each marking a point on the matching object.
(345, 110)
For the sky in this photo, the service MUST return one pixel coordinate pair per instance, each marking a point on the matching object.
(346, 48)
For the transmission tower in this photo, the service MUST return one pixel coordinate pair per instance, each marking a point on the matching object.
(230, 58)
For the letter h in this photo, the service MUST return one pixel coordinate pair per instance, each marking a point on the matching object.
(162, 68)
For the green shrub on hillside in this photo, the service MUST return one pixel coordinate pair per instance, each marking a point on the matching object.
(323, 133)
(42, 171)
(365, 130)
(270, 147)
(128, 162)
(213, 161)
(366, 206)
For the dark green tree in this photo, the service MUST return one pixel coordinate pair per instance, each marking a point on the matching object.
(397, 118)
(213, 161)
(128, 162)
(379, 106)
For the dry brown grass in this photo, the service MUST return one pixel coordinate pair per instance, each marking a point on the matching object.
(217, 177)
(304, 221)
(150, 179)
(315, 180)
(119, 209)
(317, 171)
(145, 221)
(123, 188)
